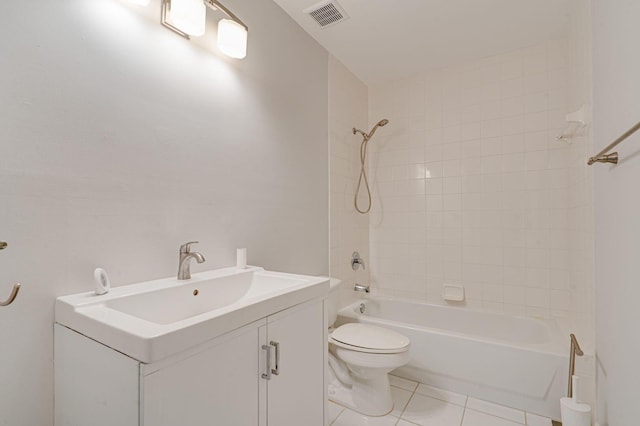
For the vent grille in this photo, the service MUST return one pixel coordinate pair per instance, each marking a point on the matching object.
(327, 13)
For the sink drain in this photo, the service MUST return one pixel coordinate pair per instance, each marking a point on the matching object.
(195, 292)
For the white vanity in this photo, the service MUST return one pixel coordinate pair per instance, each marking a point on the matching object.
(227, 347)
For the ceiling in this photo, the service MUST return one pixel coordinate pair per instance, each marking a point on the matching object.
(395, 39)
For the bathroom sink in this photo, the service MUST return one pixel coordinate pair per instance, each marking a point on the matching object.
(152, 320)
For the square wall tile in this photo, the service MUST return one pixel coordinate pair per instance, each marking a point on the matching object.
(474, 165)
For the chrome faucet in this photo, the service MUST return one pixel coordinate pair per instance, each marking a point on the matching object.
(184, 265)
(361, 287)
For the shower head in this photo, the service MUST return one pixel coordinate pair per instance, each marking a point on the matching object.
(366, 136)
(380, 123)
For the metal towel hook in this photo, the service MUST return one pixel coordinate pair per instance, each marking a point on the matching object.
(16, 287)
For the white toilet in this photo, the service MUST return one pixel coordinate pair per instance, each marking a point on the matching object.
(360, 359)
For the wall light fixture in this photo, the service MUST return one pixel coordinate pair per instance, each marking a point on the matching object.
(232, 38)
(188, 17)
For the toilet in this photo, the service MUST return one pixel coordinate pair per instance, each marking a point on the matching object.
(360, 359)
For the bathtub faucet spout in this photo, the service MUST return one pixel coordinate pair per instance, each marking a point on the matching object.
(360, 287)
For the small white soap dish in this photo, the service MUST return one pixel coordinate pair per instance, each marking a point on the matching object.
(453, 293)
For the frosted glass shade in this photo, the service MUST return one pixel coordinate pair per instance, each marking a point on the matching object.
(188, 16)
(139, 2)
(232, 39)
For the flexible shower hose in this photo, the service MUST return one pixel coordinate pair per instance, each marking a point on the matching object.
(363, 176)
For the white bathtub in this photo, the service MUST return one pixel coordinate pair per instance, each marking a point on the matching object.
(514, 361)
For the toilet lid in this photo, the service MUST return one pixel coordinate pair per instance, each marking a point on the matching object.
(370, 337)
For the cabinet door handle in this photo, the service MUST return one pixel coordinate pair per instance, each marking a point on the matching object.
(276, 345)
(267, 375)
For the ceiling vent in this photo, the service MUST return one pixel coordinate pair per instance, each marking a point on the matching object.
(327, 13)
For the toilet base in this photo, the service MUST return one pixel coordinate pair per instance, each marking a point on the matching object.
(371, 397)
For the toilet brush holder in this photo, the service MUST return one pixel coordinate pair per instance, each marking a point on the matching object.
(574, 413)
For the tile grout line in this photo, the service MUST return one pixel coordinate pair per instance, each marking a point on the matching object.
(495, 415)
(339, 414)
(500, 417)
(407, 404)
(464, 411)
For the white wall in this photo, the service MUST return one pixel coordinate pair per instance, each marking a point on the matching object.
(581, 221)
(616, 67)
(348, 99)
(121, 140)
(472, 185)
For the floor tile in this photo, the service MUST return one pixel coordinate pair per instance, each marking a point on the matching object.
(334, 410)
(404, 423)
(496, 410)
(401, 383)
(400, 398)
(422, 405)
(476, 418)
(351, 418)
(427, 411)
(534, 420)
(441, 394)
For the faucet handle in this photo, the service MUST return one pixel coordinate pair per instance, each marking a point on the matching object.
(357, 261)
(186, 247)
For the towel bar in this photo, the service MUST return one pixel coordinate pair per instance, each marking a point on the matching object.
(603, 157)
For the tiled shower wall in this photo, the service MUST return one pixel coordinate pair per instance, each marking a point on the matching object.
(471, 186)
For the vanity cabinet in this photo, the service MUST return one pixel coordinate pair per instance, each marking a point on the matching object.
(219, 383)
(293, 395)
(225, 381)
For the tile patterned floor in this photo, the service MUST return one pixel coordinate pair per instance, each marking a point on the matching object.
(419, 404)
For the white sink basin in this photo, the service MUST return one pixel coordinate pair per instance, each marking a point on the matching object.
(155, 319)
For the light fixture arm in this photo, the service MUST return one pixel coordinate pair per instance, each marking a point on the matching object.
(189, 18)
(164, 11)
(212, 4)
(215, 5)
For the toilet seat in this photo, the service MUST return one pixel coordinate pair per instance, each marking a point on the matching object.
(369, 339)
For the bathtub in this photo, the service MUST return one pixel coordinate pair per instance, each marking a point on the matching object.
(514, 361)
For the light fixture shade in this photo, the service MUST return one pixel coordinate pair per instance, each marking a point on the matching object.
(188, 16)
(139, 2)
(232, 39)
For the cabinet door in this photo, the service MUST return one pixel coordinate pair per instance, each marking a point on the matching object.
(296, 395)
(218, 386)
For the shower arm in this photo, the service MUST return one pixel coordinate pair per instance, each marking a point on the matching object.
(364, 135)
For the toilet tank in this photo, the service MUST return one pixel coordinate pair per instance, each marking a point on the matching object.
(333, 300)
